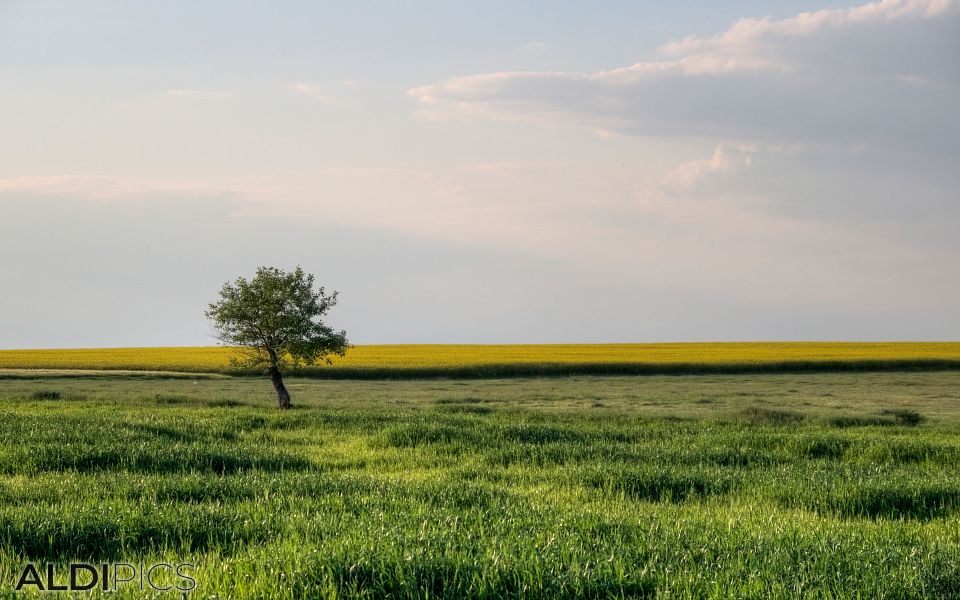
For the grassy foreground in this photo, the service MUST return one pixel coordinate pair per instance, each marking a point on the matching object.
(818, 485)
(398, 361)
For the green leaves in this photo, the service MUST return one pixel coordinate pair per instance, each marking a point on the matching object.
(275, 317)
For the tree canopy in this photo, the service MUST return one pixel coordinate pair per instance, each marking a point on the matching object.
(275, 319)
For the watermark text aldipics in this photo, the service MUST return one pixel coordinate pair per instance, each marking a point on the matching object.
(107, 577)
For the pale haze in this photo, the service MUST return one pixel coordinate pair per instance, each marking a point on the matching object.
(484, 172)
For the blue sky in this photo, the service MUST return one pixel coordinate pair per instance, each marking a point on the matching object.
(484, 172)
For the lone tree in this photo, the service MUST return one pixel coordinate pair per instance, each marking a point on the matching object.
(275, 319)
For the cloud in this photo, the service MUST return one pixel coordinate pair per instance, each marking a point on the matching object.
(624, 227)
(106, 188)
(747, 44)
(880, 73)
(725, 160)
(313, 90)
(196, 93)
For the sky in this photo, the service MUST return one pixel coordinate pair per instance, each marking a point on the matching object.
(483, 172)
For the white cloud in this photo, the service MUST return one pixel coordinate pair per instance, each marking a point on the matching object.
(630, 225)
(196, 93)
(725, 160)
(106, 188)
(743, 44)
(847, 76)
(313, 90)
(619, 223)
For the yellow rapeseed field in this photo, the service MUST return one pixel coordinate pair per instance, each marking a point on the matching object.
(216, 359)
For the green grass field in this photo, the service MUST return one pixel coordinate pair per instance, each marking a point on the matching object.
(477, 360)
(829, 485)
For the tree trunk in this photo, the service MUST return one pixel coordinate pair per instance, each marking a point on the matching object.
(283, 396)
